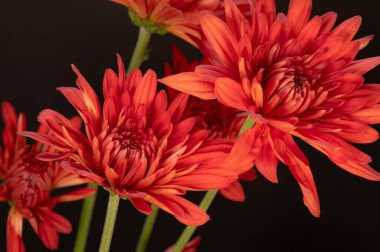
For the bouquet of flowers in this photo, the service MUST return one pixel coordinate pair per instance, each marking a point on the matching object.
(265, 79)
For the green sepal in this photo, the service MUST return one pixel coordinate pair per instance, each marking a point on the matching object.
(149, 24)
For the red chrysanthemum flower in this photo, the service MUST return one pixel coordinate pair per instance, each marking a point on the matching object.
(27, 183)
(191, 246)
(219, 120)
(295, 77)
(139, 147)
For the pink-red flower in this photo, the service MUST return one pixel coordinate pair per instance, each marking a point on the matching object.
(296, 77)
(138, 146)
(27, 183)
(219, 120)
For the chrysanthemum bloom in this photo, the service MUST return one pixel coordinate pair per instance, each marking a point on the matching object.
(27, 183)
(179, 17)
(219, 120)
(295, 77)
(138, 147)
(190, 247)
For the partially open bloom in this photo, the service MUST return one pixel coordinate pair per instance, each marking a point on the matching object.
(139, 147)
(220, 121)
(190, 247)
(27, 183)
(180, 18)
(295, 76)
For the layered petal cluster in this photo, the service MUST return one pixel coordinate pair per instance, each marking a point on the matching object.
(138, 146)
(220, 121)
(27, 183)
(297, 77)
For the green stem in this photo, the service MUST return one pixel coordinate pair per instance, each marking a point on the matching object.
(207, 199)
(140, 49)
(248, 124)
(85, 220)
(189, 230)
(147, 230)
(109, 224)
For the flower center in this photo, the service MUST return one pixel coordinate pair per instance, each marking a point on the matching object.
(127, 147)
(220, 121)
(32, 164)
(299, 77)
(130, 141)
(291, 86)
(27, 189)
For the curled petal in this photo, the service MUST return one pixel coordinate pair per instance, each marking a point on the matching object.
(183, 210)
(234, 192)
(141, 205)
(245, 150)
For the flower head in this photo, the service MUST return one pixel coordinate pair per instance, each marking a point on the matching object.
(220, 121)
(138, 146)
(296, 77)
(180, 18)
(27, 183)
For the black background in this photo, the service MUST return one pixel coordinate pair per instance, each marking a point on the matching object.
(39, 39)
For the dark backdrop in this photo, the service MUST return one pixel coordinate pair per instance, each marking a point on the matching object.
(40, 38)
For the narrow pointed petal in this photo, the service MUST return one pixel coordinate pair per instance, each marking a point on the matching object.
(348, 29)
(191, 83)
(185, 211)
(48, 235)
(267, 161)
(206, 179)
(234, 192)
(146, 90)
(141, 205)
(299, 14)
(363, 66)
(341, 153)
(78, 194)
(14, 231)
(220, 38)
(245, 150)
(231, 94)
(289, 152)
